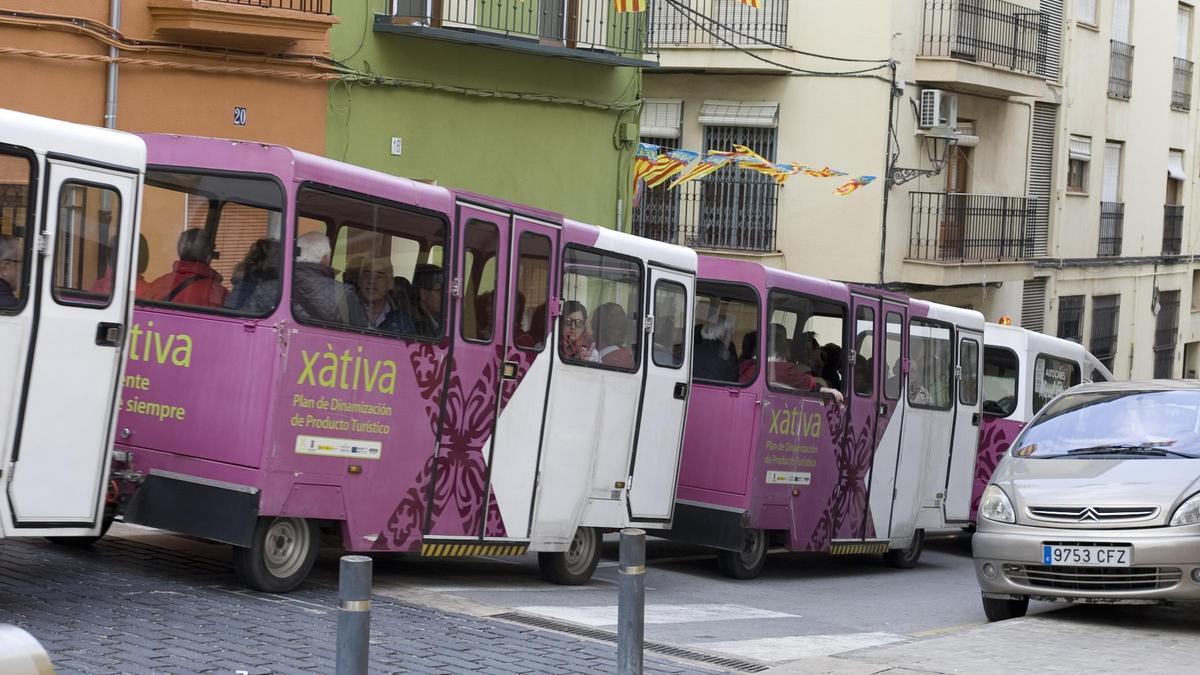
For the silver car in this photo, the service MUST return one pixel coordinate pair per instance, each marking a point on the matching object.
(1097, 500)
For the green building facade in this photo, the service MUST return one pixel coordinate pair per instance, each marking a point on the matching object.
(534, 101)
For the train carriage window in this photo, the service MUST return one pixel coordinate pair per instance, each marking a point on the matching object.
(88, 230)
(804, 343)
(369, 266)
(16, 213)
(725, 339)
(968, 363)
(1051, 377)
(1000, 377)
(601, 310)
(533, 292)
(670, 315)
(931, 365)
(892, 352)
(481, 242)
(864, 354)
(212, 242)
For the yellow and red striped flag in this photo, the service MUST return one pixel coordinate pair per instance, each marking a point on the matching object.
(853, 185)
(623, 6)
(668, 165)
(715, 160)
(756, 4)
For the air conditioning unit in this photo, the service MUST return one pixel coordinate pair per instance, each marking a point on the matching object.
(938, 109)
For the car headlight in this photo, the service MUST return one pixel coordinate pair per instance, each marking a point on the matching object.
(994, 505)
(1188, 512)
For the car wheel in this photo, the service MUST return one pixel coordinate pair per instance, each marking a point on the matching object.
(907, 558)
(1003, 609)
(575, 566)
(280, 555)
(747, 563)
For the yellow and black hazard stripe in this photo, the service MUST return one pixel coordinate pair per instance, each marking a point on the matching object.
(451, 549)
(858, 548)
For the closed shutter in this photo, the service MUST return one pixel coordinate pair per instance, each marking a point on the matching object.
(1111, 190)
(1121, 26)
(1033, 304)
(1050, 39)
(1041, 172)
(1183, 29)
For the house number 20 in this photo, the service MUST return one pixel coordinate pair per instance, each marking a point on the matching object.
(239, 116)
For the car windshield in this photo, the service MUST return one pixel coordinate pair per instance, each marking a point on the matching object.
(1116, 424)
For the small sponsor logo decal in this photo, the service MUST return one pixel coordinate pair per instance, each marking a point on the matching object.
(338, 447)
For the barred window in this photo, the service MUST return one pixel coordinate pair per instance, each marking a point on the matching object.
(1106, 311)
(1070, 318)
(738, 207)
(1166, 332)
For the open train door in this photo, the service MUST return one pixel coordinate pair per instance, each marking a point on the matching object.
(63, 328)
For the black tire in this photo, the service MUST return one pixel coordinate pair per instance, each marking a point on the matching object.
(84, 542)
(280, 556)
(747, 563)
(907, 558)
(999, 609)
(575, 566)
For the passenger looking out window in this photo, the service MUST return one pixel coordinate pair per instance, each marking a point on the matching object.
(577, 344)
(10, 270)
(612, 327)
(715, 357)
(256, 279)
(316, 294)
(427, 282)
(373, 277)
(191, 281)
(612, 286)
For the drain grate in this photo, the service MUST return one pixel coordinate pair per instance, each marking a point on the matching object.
(655, 647)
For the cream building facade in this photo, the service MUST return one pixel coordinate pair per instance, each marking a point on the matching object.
(1065, 199)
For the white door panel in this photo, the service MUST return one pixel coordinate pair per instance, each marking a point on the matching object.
(63, 443)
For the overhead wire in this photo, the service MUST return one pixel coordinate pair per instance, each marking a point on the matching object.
(795, 71)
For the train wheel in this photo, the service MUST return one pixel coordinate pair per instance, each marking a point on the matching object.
(573, 567)
(1003, 609)
(907, 558)
(280, 555)
(747, 563)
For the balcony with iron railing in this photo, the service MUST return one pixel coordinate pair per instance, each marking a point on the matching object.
(991, 45)
(1172, 243)
(588, 30)
(1120, 70)
(712, 34)
(728, 210)
(960, 228)
(1181, 85)
(1112, 223)
(300, 26)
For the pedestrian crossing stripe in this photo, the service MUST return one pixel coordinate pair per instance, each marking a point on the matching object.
(858, 548)
(451, 550)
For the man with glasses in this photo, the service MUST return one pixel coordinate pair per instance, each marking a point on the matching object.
(10, 270)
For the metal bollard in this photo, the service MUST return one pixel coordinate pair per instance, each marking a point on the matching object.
(22, 654)
(354, 615)
(631, 604)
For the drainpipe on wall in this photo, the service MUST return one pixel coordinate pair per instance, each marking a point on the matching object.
(110, 90)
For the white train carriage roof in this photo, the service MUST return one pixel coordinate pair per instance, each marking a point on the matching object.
(679, 257)
(44, 135)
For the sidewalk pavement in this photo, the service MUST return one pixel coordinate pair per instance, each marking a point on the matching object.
(1093, 639)
(130, 606)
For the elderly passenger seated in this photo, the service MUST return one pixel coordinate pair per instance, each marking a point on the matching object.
(375, 283)
(715, 356)
(316, 294)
